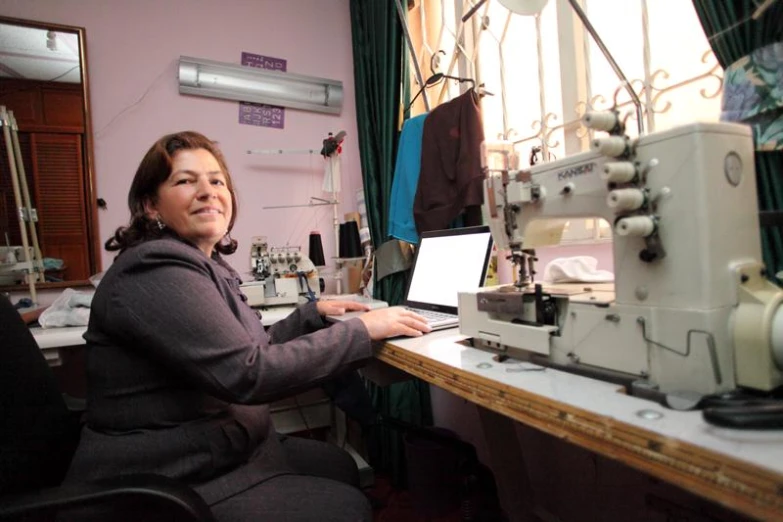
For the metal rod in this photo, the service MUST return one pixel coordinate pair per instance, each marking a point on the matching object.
(9, 146)
(590, 29)
(311, 204)
(542, 92)
(472, 11)
(284, 151)
(409, 43)
(31, 212)
(766, 4)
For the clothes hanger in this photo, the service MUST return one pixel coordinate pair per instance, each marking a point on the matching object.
(438, 77)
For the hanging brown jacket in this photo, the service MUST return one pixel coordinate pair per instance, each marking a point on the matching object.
(450, 181)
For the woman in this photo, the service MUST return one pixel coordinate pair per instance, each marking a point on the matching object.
(179, 367)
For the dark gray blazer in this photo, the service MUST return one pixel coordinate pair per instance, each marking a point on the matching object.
(179, 369)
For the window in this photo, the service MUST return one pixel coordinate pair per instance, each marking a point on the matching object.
(545, 71)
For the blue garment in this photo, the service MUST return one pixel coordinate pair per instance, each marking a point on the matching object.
(406, 179)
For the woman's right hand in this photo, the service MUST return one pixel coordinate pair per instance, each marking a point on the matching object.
(394, 321)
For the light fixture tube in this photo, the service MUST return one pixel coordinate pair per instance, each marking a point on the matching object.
(242, 83)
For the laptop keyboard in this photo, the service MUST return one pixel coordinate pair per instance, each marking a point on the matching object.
(431, 316)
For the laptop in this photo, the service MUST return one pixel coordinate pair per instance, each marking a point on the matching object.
(447, 262)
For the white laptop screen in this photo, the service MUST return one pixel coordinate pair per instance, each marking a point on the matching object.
(447, 262)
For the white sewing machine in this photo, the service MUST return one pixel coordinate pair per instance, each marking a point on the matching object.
(283, 276)
(14, 266)
(690, 308)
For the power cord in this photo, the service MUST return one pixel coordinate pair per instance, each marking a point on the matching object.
(311, 297)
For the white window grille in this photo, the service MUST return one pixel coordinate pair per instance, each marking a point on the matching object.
(545, 71)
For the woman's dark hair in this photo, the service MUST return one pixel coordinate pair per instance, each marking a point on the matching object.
(153, 170)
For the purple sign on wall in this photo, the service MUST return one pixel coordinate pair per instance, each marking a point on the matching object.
(264, 62)
(261, 115)
(257, 113)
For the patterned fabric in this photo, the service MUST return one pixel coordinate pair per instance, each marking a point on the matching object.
(753, 94)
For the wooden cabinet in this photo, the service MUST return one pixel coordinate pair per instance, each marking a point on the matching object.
(24, 102)
(51, 138)
(44, 106)
(55, 172)
(62, 108)
(58, 168)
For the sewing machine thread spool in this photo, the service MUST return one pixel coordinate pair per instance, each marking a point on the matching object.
(619, 172)
(625, 199)
(350, 243)
(638, 226)
(316, 249)
(604, 121)
(612, 146)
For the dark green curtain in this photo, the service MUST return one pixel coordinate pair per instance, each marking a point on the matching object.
(380, 78)
(734, 34)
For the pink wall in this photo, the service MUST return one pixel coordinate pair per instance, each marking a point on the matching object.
(133, 49)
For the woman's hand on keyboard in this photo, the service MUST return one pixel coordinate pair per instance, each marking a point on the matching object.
(394, 321)
(337, 307)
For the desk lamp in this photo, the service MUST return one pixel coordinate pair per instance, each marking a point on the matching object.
(534, 7)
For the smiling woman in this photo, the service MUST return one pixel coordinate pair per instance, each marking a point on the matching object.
(195, 201)
(182, 187)
(43, 83)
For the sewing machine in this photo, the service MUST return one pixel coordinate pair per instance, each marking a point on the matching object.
(690, 309)
(282, 276)
(15, 267)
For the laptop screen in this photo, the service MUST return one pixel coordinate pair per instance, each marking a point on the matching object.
(447, 262)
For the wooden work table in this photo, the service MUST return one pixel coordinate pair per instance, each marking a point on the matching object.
(739, 469)
(742, 470)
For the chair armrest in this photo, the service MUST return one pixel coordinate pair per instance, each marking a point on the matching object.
(177, 496)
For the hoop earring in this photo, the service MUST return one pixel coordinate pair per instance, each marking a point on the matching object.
(161, 224)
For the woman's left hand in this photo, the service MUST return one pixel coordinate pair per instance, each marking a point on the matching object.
(335, 307)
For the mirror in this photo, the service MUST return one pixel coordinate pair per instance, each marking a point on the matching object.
(43, 80)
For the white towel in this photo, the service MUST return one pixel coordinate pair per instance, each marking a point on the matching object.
(578, 269)
(71, 308)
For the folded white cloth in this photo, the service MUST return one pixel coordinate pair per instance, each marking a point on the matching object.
(71, 308)
(577, 269)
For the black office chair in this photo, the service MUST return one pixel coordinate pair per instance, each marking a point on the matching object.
(38, 437)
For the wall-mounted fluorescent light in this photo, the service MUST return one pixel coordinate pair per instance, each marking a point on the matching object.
(241, 83)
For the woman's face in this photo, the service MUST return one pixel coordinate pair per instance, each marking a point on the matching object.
(194, 201)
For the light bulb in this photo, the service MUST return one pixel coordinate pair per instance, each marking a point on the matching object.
(524, 7)
(51, 40)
